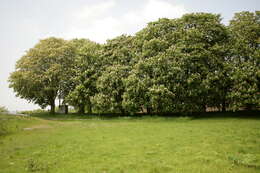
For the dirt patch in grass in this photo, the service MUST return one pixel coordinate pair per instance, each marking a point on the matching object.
(41, 126)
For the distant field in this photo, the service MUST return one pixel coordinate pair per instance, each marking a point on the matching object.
(64, 144)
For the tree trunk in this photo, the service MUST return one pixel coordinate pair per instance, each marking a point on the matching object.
(89, 106)
(90, 109)
(224, 100)
(223, 106)
(204, 108)
(52, 106)
(149, 110)
(249, 107)
(122, 110)
(81, 109)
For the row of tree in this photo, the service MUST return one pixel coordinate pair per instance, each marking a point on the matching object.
(189, 64)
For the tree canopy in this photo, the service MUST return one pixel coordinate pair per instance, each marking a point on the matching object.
(189, 64)
(42, 72)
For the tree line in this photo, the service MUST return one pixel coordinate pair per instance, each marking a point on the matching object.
(187, 64)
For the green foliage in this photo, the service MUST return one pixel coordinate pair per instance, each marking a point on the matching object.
(190, 64)
(117, 58)
(84, 75)
(111, 89)
(36, 111)
(200, 54)
(42, 72)
(245, 28)
(3, 109)
(178, 60)
(147, 85)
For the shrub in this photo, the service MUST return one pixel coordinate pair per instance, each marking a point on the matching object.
(36, 111)
(3, 109)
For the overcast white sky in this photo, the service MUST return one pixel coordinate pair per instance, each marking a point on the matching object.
(25, 22)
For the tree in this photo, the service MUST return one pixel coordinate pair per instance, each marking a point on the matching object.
(148, 85)
(186, 65)
(111, 89)
(42, 72)
(177, 59)
(117, 60)
(245, 29)
(199, 54)
(85, 73)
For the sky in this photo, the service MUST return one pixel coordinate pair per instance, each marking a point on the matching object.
(25, 22)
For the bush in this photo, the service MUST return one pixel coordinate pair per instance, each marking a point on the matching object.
(36, 111)
(3, 109)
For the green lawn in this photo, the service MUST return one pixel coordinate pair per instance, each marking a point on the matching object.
(130, 145)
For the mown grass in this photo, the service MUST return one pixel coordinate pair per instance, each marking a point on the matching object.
(75, 143)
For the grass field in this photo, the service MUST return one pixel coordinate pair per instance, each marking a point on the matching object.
(76, 144)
